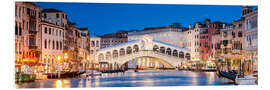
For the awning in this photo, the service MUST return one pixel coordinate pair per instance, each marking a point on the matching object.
(76, 61)
(239, 57)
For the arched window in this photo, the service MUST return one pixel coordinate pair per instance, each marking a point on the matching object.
(108, 55)
(122, 52)
(129, 50)
(49, 44)
(181, 54)
(20, 30)
(57, 45)
(175, 53)
(45, 43)
(16, 29)
(155, 48)
(53, 44)
(115, 53)
(169, 51)
(60, 45)
(162, 50)
(135, 48)
(100, 57)
(188, 56)
(239, 34)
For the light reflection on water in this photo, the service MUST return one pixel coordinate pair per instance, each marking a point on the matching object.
(133, 79)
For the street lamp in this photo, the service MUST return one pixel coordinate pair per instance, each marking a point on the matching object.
(58, 60)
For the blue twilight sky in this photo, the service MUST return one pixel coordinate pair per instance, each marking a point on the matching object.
(102, 18)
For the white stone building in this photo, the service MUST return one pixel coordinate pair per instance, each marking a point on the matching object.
(52, 37)
(54, 16)
(251, 34)
(168, 34)
(94, 46)
(193, 41)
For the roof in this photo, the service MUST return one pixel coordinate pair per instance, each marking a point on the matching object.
(51, 10)
(94, 36)
(83, 29)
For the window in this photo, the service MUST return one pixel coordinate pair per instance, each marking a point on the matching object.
(233, 34)
(50, 31)
(45, 30)
(97, 44)
(20, 30)
(57, 15)
(239, 34)
(16, 11)
(16, 29)
(225, 42)
(56, 32)
(225, 34)
(53, 44)
(57, 45)
(60, 32)
(60, 45)
(93, 43)
(63, 16)
(49, 44)
(239, 25)
(45, 44)
(45, 15)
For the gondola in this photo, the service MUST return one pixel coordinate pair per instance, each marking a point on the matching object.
(229, 75)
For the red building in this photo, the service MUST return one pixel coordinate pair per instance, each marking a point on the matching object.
(206, 45)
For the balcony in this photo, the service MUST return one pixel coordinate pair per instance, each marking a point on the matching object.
(32, 32)
(32, 47)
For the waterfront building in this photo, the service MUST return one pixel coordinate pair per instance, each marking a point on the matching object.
(113, 39)
(72, 44)
(251, 36)
(193, 37)
(55, 17)
(52, 37)
(53, 32)
(206, 45)
(84, 47)
(27, 36)
(94, 47)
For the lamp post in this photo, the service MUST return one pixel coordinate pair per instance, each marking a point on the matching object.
(58, 66)
(65, 59)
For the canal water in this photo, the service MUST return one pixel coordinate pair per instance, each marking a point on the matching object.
(133, 79)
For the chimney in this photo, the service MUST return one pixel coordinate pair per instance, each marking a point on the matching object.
(189, 26)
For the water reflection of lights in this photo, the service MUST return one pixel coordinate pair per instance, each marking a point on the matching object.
(58, 84)
(211, 77)
(96, 82)
(194, 78)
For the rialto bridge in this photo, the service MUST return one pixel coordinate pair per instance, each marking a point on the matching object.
(170, 56)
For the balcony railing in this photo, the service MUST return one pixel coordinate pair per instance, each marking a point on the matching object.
(32, 32)
(33, 47)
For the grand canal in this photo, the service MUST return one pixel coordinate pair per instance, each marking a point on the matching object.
(133, 79)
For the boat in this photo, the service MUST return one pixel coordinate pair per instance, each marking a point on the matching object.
(251, 79)
(229, 75)
(91, 73)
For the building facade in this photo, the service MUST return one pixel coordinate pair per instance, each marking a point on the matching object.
(52, 37)
(193, 37)
(206, 39)
(251, 36)
(113, 39)
(170, 34)
(27, 36)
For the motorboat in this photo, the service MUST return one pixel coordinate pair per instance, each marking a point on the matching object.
(91, 73)
(251, 79)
